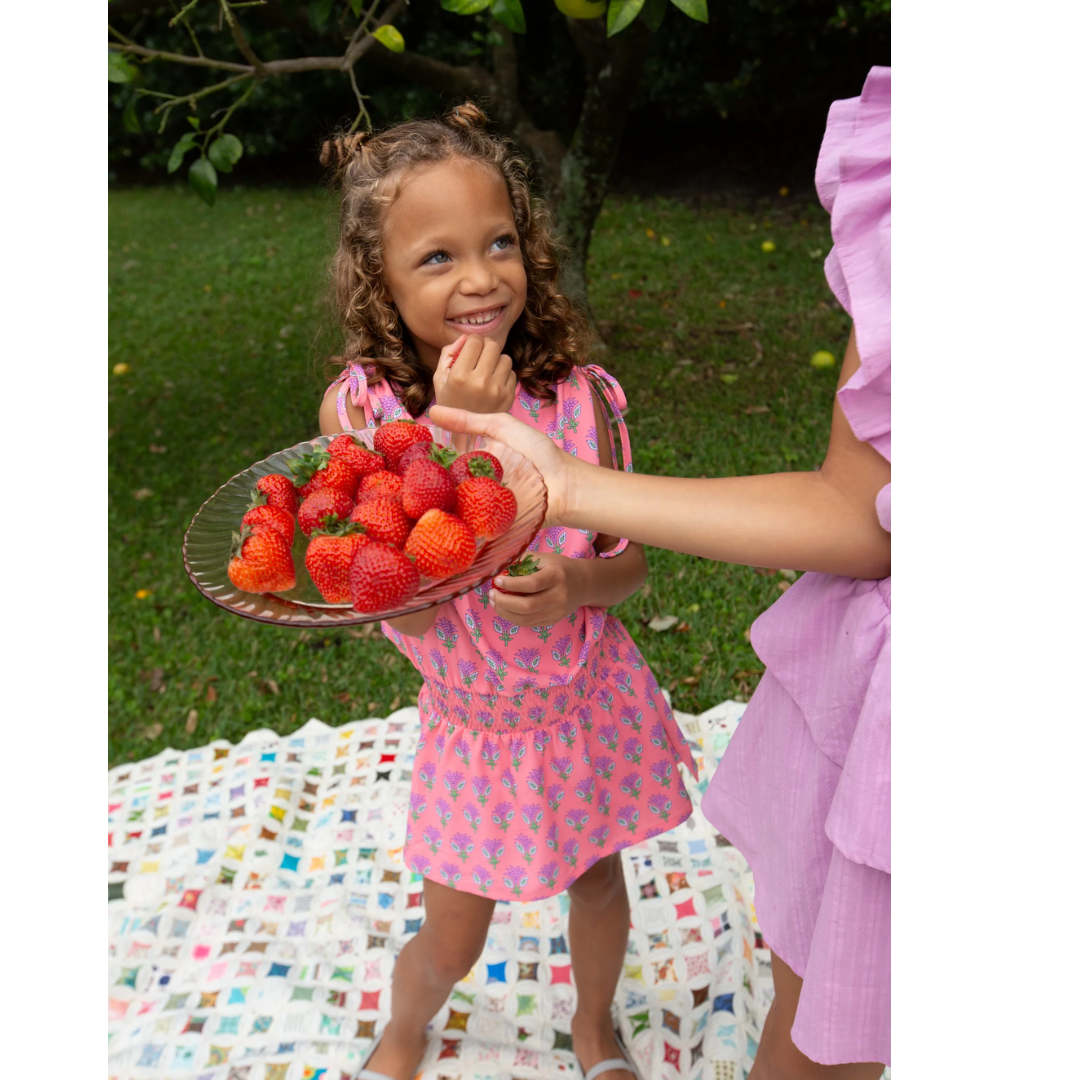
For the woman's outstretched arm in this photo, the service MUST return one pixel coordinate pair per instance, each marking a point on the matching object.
(822, 520)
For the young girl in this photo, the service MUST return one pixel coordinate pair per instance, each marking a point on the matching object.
(547, 746)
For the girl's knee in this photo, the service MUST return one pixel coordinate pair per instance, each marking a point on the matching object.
(449, 962)
(601, 884)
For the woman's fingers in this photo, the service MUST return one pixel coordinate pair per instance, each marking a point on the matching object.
(552, 464)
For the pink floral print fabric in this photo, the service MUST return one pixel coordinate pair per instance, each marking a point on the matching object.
(543, 748)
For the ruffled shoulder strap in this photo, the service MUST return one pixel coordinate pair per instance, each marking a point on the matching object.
(612, 399)
(854, 182)
(377, 399)
(612, 403)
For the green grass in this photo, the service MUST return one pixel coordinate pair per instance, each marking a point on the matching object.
(220, 316)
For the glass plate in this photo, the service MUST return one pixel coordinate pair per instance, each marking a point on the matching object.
(208, 542)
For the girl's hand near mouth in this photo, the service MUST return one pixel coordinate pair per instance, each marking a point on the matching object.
(471, 374)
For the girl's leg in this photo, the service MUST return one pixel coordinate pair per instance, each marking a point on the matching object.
(444, 950)
(778, 1058)
(599, 929)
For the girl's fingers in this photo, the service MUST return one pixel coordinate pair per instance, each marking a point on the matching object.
(468, 354)
(488, 361)
(450, 354)
(523, 586)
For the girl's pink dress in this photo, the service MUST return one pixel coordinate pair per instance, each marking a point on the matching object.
(804, 788)
(544, 748)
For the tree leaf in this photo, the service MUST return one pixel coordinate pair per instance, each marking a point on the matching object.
(319, 13)
(509, 13)
(663, 622)
(464, 7)
(696, 9)
(131, 118)
(121, 70)
(357, 7)
(194, 122)
(225, 152)
(176, 158)
(203, 178)
(390, 36)
(621, 13)
(653, 12)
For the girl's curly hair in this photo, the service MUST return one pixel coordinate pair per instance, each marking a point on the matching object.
(547, 341)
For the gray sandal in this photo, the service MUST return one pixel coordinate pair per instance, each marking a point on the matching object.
(371, 1074)
(623, 1064)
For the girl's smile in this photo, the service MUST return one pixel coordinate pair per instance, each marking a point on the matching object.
(452, 256)
(485, 321)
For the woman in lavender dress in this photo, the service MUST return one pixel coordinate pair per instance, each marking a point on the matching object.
(804, 788)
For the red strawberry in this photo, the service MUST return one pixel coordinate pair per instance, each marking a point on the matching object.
(442, 545)
(487, 506)
(419, 451)
(329, 556)
(427, 486)
(263, 513)
(393, 439)
(279, 490)
(316, 508)
(381, 578)
(319, 470)
(384, 520)
(475, 463)
(380, 485)
(261, 561)
(350, 449)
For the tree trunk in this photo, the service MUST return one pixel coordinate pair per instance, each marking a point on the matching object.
(613, 68)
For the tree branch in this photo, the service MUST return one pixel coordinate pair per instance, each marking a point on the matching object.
(246, 51)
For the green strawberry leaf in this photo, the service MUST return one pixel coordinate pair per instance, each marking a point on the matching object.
(523, 567)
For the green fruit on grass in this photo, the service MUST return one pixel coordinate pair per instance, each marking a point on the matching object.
(822, 359)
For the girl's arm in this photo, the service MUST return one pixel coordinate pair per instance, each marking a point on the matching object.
(562, 585)
(823, 520)
(330, 424)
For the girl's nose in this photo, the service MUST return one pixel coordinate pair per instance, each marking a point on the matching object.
(478, 278)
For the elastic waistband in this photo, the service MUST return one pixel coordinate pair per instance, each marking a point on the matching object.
(533, 707)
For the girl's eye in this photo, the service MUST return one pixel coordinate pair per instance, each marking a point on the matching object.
(504, 242)
(437, 258)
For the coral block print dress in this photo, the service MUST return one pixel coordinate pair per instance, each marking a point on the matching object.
(543, 748)
(804, 789)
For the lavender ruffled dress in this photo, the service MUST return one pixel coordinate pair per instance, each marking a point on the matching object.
(804, 789)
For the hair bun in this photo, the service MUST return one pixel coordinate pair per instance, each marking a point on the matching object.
(336, 153)
(466, 116)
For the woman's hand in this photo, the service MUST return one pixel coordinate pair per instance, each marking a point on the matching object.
(471, 374)
(541, 598)
(554, 465)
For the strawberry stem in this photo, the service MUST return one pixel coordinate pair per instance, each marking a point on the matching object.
(523, 567)
(305, 467)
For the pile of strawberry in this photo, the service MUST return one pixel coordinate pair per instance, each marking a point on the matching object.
(379, 520)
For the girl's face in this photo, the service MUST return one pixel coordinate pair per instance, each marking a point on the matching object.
(452, 257)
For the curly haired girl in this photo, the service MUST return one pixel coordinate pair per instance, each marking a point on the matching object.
(546, 744)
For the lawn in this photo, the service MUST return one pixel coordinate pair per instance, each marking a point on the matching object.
(220, 316)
